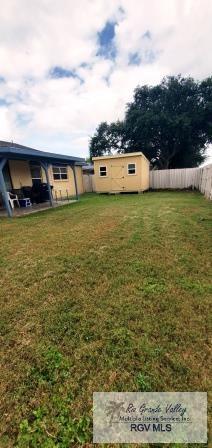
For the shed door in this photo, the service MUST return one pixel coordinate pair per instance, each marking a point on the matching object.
(117, 178)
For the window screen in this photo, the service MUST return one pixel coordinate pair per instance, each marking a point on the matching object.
(131, 168)
(103, 171)
(60, 172)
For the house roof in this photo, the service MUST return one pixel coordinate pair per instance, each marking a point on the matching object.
(117, 156)
(15, 151)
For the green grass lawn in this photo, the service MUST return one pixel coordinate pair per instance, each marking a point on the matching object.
(108, 294)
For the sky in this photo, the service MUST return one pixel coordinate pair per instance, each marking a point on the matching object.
(67, 65)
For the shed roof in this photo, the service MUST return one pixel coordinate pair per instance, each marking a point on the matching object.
(19, 152)
(116, 156)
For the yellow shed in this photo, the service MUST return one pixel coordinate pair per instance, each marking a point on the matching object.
(121, 172)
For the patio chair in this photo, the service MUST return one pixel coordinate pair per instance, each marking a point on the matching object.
(13, 198)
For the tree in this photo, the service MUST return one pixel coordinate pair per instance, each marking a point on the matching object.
(108, 138)
(171, 123)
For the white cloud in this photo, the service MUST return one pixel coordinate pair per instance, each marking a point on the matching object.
(61, 114)
(5, 123)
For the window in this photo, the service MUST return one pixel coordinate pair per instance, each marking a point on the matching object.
(131, 168)
(103, 171)
(60, 172)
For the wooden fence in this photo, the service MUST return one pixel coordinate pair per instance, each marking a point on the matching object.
(88, 183)
(179, 178)
(196, 178)
(205, 181)
(199, 178)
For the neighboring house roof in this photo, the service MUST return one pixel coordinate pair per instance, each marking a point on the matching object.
(116, 156)
(19, 152)
(89, 168)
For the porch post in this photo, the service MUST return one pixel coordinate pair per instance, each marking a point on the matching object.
(3, 188)
(45, 166)
(75, 181)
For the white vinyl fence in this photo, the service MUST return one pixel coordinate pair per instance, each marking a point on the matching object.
(199, 178)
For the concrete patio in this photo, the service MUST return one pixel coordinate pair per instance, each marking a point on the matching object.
(35, 208)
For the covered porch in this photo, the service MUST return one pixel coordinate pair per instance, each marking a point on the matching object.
(22, 189)
(35, 208)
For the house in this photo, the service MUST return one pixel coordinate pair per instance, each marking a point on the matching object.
(43, 174)
(121, 173)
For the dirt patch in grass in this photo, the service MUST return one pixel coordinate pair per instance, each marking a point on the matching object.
(108, 294)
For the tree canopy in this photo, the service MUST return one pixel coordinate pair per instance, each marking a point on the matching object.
(171, 123)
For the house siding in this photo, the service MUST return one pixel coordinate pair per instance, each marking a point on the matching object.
(20, 173)
(21, 176)
(67, 187)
